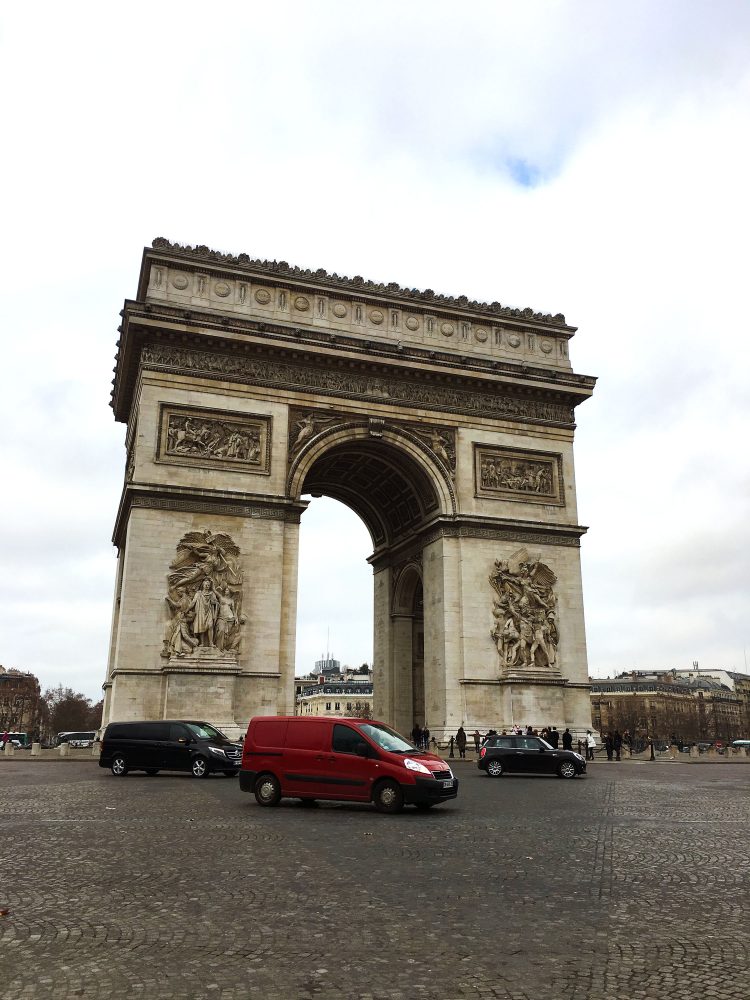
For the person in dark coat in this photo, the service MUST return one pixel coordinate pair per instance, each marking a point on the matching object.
(425, 738)
(617, 743)
(567, 740)
(416, 734)
(554, 738)
(461, 741)
(609, 745)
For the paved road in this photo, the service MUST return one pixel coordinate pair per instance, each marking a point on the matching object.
(630, 883)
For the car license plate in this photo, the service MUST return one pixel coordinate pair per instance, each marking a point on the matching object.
(447, 784)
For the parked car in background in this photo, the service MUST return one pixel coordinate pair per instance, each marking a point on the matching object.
(528, 755)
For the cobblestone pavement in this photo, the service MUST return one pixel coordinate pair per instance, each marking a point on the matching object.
(630, 883)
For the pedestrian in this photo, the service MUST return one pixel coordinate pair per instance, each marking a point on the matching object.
(461, 742)
(416, 735)
(567, 740)
(590, 745)
(477, 739)
(617, 743)
(554, 738)
(609, 745)
(426, 738)
(5, 738)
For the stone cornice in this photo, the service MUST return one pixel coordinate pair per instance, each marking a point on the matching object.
(490, 529)
(392, 291)
(204, 501)
(195, 327)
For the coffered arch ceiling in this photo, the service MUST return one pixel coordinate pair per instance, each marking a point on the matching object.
(388, 489)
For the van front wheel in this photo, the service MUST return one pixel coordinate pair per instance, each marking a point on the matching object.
(267, 790)
(388, 797)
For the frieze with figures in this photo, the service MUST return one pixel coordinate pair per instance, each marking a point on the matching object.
(527, 476)
(204, 598)
(214, 438)
(405, 392)
(525, 632)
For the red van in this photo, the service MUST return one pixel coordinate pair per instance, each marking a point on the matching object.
(357, 760)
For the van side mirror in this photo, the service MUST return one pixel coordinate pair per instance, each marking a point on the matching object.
(362, 750)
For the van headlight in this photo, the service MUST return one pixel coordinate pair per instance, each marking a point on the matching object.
(216, 750)
(414, 765)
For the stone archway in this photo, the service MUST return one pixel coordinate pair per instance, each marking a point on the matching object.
(446, 425)
(384, 473)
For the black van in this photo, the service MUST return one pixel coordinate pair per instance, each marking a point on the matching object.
(169, 745)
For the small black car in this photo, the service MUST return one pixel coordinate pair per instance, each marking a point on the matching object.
(169, 745)
(528, 755)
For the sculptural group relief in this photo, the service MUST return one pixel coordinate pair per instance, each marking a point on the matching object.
(204, 598)
(199, 437)
(525, 612)
(507, 474)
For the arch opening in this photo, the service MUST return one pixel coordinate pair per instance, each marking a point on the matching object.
(387, 488)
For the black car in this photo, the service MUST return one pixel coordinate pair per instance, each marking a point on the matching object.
(169, 745)
(528, 755)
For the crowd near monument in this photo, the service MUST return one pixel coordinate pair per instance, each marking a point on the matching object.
(245, 387)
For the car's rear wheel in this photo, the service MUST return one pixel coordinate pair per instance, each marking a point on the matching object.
(119, 767)
(199, 767)
(388, 797)
(567, 769)
(495, 768)
(267, 790)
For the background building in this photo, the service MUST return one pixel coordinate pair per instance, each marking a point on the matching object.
(20, 702)
(335, 693)
(681, 706)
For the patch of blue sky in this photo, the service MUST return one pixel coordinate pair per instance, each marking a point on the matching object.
(524, 172)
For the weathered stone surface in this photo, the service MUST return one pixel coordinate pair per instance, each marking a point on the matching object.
(446, 425)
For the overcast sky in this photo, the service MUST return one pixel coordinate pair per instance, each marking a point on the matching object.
(588, 158)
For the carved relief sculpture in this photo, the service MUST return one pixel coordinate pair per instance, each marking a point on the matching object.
(442, 442)
(525, 613)
(210, 438)
(204, 597)
(505, 474)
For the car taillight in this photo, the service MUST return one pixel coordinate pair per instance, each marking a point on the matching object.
(483, 751)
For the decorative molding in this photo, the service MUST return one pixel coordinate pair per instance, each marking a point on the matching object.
(518, 475)
(400, 392)
(191, 501)
(567, 537)
(218, 439)
(321, 277)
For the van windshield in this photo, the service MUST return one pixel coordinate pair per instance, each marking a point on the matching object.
(205, 732)
(387, 739)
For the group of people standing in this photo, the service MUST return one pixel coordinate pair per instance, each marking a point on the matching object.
(421, 737)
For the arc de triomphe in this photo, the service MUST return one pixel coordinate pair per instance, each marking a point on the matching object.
(445, 424)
